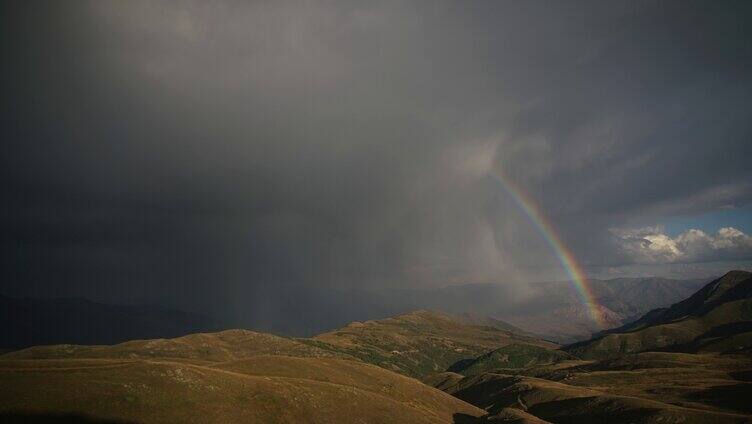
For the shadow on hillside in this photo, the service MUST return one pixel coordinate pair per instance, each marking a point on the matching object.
(727, 330)
(460, 418)
(460, 365)
(744, 375)
(591, 409)
(30, 418)
(731, 396)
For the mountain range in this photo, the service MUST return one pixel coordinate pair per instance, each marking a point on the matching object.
(557, 312)
(688, 362)
(553, 311)
(718, 318)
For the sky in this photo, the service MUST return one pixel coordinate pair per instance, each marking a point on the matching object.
(205, 151)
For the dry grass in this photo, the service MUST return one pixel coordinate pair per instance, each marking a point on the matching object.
(262, 389)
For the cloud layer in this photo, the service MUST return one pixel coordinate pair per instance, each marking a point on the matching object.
(200, 152)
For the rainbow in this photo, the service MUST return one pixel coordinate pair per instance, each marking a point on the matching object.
(565, 256)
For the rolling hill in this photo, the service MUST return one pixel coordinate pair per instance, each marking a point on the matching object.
(415, 344)
(717, 318)
(259, 389)
(510, 356)
(246, 376)
(422, 342)
(222, 346)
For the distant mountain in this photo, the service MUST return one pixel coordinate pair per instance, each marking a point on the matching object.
(551, 310)
(555, 310)
(30, 322)
(718, 318)
(301, 311)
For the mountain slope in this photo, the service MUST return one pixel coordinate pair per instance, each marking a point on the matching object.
(716, 318)
(558, 402)
(420, 343)
(510, 356)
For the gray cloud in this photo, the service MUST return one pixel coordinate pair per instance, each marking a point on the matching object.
(200, 151)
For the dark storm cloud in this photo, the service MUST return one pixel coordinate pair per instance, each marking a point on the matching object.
(201, 151)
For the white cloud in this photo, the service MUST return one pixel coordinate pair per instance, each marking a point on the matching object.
(650, 245)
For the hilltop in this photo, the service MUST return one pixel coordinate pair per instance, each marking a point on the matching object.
(221, 346)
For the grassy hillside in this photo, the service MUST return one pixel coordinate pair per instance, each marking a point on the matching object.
(246, 376)
(714, 382)
(501, 376)
(649, 387)
(414, 344)
(261, 389)
(419, 343)
(510, 356)
(716, 318)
